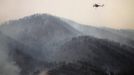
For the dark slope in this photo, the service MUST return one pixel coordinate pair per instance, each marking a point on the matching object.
(87, 55)
(87, 45)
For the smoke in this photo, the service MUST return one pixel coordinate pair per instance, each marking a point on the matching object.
(7, 66)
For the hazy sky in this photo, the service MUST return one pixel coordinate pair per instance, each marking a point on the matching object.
(115, 13)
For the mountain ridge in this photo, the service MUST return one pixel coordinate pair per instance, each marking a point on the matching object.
(49, 42)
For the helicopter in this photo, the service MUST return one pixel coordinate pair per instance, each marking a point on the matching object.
(98, 5)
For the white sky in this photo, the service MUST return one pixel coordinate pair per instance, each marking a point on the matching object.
(115, 13)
